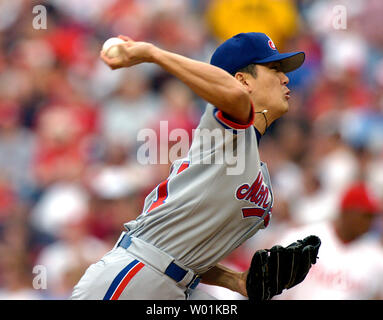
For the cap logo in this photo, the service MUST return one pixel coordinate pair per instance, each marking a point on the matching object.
(272, 45)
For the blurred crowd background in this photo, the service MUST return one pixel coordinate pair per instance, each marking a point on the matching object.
(69, 176)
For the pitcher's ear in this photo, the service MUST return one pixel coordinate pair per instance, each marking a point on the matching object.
(242, 78)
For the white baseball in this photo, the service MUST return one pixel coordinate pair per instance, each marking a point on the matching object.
(113, 52)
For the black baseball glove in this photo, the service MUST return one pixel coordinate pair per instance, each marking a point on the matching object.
(273, 270)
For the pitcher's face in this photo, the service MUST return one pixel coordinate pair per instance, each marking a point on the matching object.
(269, 88)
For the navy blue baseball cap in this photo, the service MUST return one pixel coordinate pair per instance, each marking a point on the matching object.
(253, 47)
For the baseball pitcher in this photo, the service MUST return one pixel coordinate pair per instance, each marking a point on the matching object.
(208, 205)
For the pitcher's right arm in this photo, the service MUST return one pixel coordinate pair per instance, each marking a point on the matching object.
(209, 82)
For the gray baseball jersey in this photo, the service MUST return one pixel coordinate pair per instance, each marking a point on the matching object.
(214, 199)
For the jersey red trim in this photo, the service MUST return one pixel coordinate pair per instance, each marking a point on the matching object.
(220, 116)
(162, 189)
(162, 194)
(183, 166)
